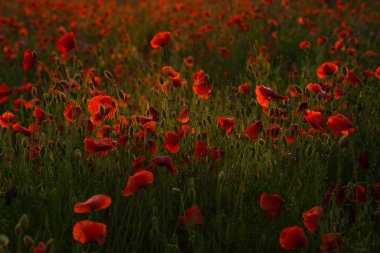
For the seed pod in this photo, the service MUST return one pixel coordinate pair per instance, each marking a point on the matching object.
(28, 241)
(49, 246)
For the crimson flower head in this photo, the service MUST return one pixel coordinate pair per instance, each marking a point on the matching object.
(327, 69)
(193, 216)
(138, 181)
(273, 204)
(293, 238)
(94, 203)
(226, 123)
(29, 60)
(66, 43)
(86, 231)
(253, 131)
(312, 217)
(265, 95)
(339, 124)
(161, 39)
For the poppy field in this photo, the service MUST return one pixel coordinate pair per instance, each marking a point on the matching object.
(189, 126)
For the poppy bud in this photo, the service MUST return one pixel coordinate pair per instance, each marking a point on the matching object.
(320, 96)
(34, 92)
(108, 74)
(161, 80)
(78, 153)
(18, 230)
(176, 190)
(221, 177)
(4, 240)
(49, 246)
(209, 119)
(24, 222)
(58, 61)
(28, 241)
(121, 95)
(261, 142)
(343, 141)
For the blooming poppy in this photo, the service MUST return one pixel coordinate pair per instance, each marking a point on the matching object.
(253, 131)
(172, 142)
(357, 194)
(327, 69)
(101, 107)
(265, 95)
(72, 112)
(193, 216)
(166, 161)
(312, 217)
(94, 203)
(183, 116)
(226, 123)
(29, 60)
(138, 181)
(201, 149)
(304, 44)
(161, 39)
(101, 146)
(66, 43)
(293, 238)
(316, 88)
(216, 153)
(86, 231)
(41, 248)
(315, 119)
(244, 88)
(138, 163)
(273, 204)
(339, 124)
(7, 119)
(39, 114)
(201, 85)
(352, 79)
(273, 130)
(331, 242)
(4, 92)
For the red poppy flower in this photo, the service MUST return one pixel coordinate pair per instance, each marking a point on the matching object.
(201, 149)
(253, 131)
(189, 61)
(304, 44)
(293, 238)
(101, 107)
(331, 242)
(172, 142)
(216, 153)
(101, 146)
(66, 43)
(161, 39)
(7, 119)
(244, 88)
(358, 194)
(72, 112)
(339, 124)
(193, 216)
(39, 114)
(272, 204)
(4, 92)
(138, 181)
(327, 69)
(352, 79)
(312, 217)
(29, 60)
(41, 248)
(226, 123)
(315, 119)
(86, 231)
(273, 130)
(183, 116)
(201, 85)
(166, 161)
(94, 203)
(138, 163)
(316, 87)
(265, 95)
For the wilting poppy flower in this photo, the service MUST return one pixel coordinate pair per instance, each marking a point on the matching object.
(339, 124)
(138, 181)
(29, 60)
(72, 112)
(101, 107)
(265, 95)
(293, 238)
(166, 161)
(312, 217)
(94, 203)
(86, 231)
(172, 142)
(193, 216)
(183, 116)
(4, 92)
(327, 69)
(226, 123)
(253, 131)
(7, 119)
(244, 88)
(331, 242)
(101, 146)
(358, 194)
(66, 43)
(273, 204)
(161, 39)
(201, 85)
